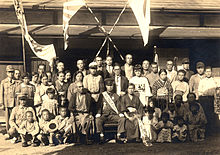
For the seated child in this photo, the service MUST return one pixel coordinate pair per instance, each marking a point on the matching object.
(29, 130)
(181, 109)
(149, 123)
(179, 130)
(171, 111)
(157, 111)
(18, 116)
(50, 103)
(45, 133)
(196, 120)
(164, 128)
(64, 126)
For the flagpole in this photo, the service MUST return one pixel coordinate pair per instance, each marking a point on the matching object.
(24, 53)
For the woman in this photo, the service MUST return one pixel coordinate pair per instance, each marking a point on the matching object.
(68, 77)
(133, 111)
(73, 88)
(162, 90)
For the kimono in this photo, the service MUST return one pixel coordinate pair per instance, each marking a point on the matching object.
(180, 133)
(165, 131)
(196, 125)
(163, 92)
(61, 88)
(132, 127)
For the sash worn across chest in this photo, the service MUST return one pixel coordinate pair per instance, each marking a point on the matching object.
(110, 101)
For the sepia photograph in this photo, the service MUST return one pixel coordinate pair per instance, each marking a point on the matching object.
(109, 77)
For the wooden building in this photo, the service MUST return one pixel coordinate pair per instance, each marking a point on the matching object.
(188, 28)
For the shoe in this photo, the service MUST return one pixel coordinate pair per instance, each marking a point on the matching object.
(14, 140)
(147, 144)
(24, 144)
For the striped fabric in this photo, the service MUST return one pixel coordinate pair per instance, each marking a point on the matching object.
(69, 9)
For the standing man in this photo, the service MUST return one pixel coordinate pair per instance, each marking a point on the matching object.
(93, 82)
(146, 68)
(80, 106)
(100, 69)
(121, 82)
(7, 94)
(153, 76)
(128, 68)
(109, 109)
(206, 90)
(60, 68)
(17, 76)
(81, 67)
(195, 79)
(171, 74)
(189, 73)
(109, 67)
(41, 70)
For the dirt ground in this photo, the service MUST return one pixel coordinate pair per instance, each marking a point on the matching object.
(210, 146)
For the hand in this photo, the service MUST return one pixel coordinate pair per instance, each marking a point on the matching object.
(121, 115)
(98, 115)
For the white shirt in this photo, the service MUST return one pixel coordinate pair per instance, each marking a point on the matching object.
(118, 84)
(207, 87)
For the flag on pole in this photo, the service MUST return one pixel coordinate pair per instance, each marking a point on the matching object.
(141, 9)
(156, 57)
(45, 52)
(69, 10)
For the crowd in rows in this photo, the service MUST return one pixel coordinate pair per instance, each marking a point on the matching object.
(54, 107)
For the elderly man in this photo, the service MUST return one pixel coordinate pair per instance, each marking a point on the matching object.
(93, 82)
(146, 68)
(7, 94)
(195, 79)
(128, 68)
(80, 106)
(109, 109)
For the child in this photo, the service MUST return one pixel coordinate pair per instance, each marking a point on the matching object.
(157, 112)
(29, 130)
(64, 126)
(26, 88)
(196, 120)
(164, 127)
(18, 116)
(149, 122)
(50, 103)
(45, 133)
(179, 131)
(171, 111)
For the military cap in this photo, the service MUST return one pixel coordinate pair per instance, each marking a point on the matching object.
(109, 81)
(93, 65)
(200, 65)
(9, 68)
(185, 61)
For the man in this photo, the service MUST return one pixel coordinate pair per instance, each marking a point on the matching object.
(146, 68)
(109, 66)
(180, 87)
(195, 79)
(7, 93)
(41, 70)
(100, 69)
(80, 106)
(189, 73)
(81, 67)
(128, 67)
(153, 76)
(142, 88)
(109, 109)
(60, 68)
(171, 74)
(121, 82)
(206, 91)
(17, 76)
(93, 82)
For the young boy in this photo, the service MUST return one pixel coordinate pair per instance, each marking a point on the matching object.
(164, 128)
(50, 103)
(196, 120)
(45, 133)
(26, 88)
(18, 116)
(29, 130)
(64, 126)
(171, 110)
(179, 131)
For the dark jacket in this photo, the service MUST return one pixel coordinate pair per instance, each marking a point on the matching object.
(72, 103)
(124, 83)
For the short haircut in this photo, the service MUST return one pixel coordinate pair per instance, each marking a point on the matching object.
(60, 73)
(191, 94)
(62, 107)
(169, 60)
(26, 75)
(154, 63)
(181, 71)
(162, 70)
(29, 112)
(117, 64)
(59, 62)
(34, 73)
(41, 65)
(208, 67)
(17, 70)
(50, 90)
(45, 110)
(131, 84)
(178, 95)
(109, 56)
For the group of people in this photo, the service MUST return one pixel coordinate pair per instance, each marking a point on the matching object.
(148, 105)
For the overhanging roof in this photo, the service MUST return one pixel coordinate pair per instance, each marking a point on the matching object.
(155, 4)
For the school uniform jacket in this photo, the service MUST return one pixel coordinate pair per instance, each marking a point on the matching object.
(124, 84)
